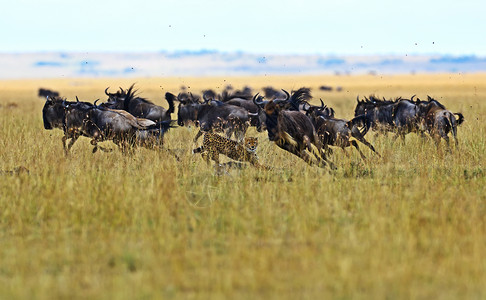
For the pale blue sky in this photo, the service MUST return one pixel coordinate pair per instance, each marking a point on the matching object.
(275, 26)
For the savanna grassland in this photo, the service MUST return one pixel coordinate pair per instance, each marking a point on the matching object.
(409, 224)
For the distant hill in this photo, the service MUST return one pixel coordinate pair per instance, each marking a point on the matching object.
(214, 63)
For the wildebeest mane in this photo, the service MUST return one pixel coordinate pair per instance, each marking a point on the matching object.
(430, 99)
(301, 95)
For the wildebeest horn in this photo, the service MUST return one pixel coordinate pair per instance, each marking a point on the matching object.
(205, 97)
(95, 102)
(322, 103)
(257, 101)
(357, 99)
(286, 94)
(106, 91)
(411, 99)
(304, 107)
(77, 100)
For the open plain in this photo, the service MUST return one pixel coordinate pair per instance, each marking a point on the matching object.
(410, 224)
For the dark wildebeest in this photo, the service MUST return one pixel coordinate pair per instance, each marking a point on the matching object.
(337, 132)
(296, 102)
(123, 129)
(212, 117)
(439, 121)
(75, 119)
(271, 93)
(323, 110)
(379, 113)
(325, 88)
(44, 93)
(137, 106)
(406, 117)
(242, 99)
(292, 131)
(54, 115)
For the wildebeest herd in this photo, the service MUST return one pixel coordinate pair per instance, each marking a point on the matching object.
(289, 119)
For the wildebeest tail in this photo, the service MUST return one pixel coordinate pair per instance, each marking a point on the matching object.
(448, 118)
(460, 120)
(198, 150)
(362, 121)
(170, 99)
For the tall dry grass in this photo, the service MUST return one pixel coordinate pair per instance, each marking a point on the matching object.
(410, 224)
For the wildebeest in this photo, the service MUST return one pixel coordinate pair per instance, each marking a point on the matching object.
(439, 121)
(325, 88)
(123, 129)
(54, 115)
(337, 132)
(138, 106)
(85, 119)
(292, 131)
(379, 113)
(270, 93)
(44, 93)
(295, 102)
(323, 110)
(405, 115)
(212, 117)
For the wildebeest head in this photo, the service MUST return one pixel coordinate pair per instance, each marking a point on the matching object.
(53, 113)
(316, 111)
(115, 97)
(120, 99)
(268, 114)
(363, 106)
(187, 108)
(260, 103)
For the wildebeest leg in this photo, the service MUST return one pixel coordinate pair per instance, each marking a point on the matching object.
(436, 138)
(71, 142)
(95, 144)
(64, 139)
(357, 135)
(454, 135)
(319, 154)
(446, 138)
(344, 150)
(198, 135)
(302, 154)
(355, 145)
(369, 145)
(74, 138)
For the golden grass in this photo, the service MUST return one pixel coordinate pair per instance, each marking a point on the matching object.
(107, 226)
